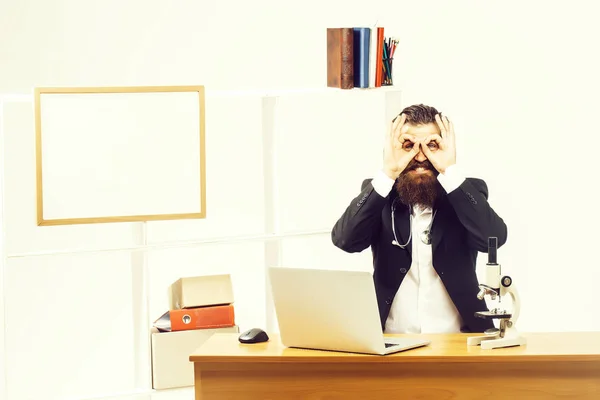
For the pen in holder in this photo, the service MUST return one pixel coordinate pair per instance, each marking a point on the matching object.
(389, 47)
(386, 79)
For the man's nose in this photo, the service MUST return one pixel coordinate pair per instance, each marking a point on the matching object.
(420, 157)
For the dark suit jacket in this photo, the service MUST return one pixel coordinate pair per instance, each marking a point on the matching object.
(460, 230)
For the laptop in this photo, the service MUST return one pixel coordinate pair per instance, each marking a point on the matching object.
(332, 310)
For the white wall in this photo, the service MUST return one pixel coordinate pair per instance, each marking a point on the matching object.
(518, 78)
(2, 267)
(80, 299)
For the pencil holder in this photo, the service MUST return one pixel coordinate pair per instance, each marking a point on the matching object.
(387, 65)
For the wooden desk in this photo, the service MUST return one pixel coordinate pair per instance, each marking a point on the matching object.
(550, 366)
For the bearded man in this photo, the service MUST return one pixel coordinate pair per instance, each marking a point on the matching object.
(425, 223)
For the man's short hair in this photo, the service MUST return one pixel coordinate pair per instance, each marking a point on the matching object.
(420, 114)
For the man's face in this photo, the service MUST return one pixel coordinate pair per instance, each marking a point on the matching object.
(418, 184)
(420, 168)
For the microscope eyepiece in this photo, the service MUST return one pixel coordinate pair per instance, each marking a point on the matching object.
(492, 251)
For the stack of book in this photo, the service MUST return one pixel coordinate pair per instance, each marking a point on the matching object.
(359, 57)
(199, 306)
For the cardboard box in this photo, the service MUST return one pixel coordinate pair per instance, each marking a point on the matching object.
(196, 318)
(171, 366)
(200, 291)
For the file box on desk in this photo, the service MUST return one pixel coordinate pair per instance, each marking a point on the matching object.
(171, 367)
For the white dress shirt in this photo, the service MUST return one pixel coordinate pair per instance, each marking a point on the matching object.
(422, 304)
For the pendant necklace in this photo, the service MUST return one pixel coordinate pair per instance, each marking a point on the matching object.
(425, 236)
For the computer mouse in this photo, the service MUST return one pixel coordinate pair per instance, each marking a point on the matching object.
(254, 335)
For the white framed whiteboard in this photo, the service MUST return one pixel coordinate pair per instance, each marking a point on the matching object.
(120, 154)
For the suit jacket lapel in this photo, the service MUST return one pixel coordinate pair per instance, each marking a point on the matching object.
(438, 223)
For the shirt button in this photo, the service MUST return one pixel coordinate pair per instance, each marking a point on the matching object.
(388, 301)
(403, 270)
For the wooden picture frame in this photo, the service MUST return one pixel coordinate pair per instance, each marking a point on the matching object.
(187, 105)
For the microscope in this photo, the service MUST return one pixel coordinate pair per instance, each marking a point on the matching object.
(497, 286)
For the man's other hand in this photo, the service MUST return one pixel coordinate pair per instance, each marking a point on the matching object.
(441, 149)
(400, 148)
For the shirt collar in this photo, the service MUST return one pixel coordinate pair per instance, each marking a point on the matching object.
(417, 209)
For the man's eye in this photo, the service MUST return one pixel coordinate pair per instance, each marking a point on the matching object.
(432, 145)
(407, 145)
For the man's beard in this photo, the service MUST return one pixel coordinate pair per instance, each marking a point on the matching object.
(418, 188)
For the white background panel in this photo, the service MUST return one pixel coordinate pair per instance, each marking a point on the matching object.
(243, 261)
(120, 154)
(69, 326)
(2, 266)
(326, 145)
(22, 233)
(234, 174)
(317, 251)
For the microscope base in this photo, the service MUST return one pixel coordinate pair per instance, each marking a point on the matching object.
(495, 342)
